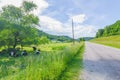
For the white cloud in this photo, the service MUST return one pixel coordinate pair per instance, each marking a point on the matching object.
(41, 4)
(79, 18)
(13, 2)
(53, 26)
(85, 31)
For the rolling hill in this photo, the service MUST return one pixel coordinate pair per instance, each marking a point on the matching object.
(54, 37)
(109, 36)
(113, 41)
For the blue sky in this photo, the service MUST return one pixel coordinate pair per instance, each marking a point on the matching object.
(88, 15)
(99, 12)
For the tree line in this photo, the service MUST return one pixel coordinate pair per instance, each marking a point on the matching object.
(110, 30)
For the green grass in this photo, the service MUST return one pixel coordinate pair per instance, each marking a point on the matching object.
(49, 65)
(113, 41)
(72, 72)
(49, 47)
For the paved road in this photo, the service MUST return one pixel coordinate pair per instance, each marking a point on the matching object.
(101, 62)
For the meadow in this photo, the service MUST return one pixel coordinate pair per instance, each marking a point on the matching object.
(113, 41)
(57, 61)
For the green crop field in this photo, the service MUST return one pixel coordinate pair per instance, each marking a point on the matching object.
(113, 41)
(55, 62)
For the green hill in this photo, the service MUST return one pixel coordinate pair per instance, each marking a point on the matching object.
(88, 38)
(113, 41)
(54, 37)
(109, 36)
(110, 30)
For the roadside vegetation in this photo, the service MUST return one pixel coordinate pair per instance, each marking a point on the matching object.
(49, 65)
(109, 36)
(110, 30)
(73, 72)
(113, 41)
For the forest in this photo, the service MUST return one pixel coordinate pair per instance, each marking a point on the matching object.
(110, 30)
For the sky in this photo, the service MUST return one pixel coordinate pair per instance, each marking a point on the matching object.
(88, 15)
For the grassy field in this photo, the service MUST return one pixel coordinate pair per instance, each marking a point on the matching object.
(59, 61)
(113, 41)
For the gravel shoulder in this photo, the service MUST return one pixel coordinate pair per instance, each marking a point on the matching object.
(101, 62)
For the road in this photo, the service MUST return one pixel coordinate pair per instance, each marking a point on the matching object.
(101, 62)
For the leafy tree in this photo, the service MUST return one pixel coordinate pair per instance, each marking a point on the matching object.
(99, 33)
(110, 30)
(44, 40)
(18, 24)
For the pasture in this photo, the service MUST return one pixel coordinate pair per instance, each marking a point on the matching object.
(51, 64)
(113, 41)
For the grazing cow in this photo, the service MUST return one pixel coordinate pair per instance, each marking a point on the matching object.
(24, 53)
(12, 53)
(37, 52)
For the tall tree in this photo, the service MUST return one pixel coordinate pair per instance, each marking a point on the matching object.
(100, 33)
(20, 25)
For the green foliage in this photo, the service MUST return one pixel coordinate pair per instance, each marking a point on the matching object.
(113, 29)
(82, 39)
(6, 38)
(18, 26)
(28, 6)
(109, 35)
(73, 70)
(43, 40)
(30, 19)
(11, 13)
(99, 33)
(46, 66)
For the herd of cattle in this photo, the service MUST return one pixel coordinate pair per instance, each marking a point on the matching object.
(17, 52)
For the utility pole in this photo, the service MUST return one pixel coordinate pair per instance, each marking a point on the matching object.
(73, 31)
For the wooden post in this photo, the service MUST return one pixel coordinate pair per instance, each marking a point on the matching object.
(73, 31)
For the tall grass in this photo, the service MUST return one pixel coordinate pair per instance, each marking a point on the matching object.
(46, 66)
(75, 66)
